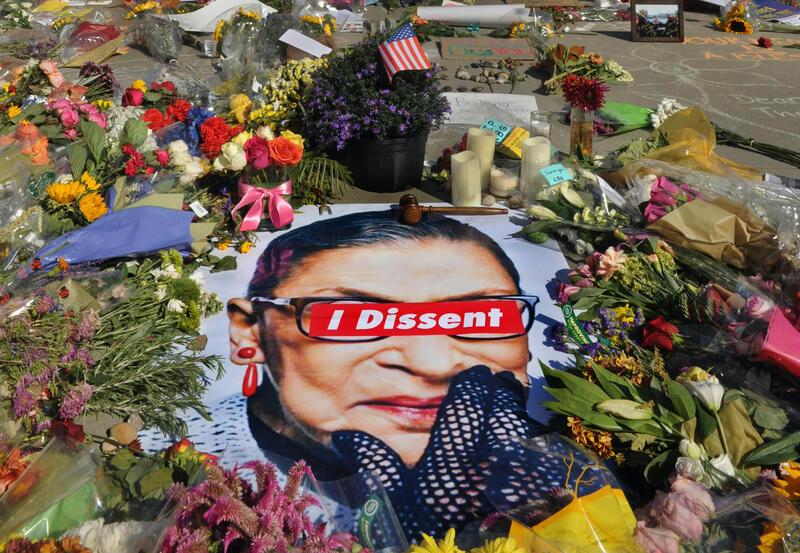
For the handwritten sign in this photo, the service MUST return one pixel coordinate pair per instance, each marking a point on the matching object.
(556, 174)
(501, 130)
(474, 108)
(486, 49)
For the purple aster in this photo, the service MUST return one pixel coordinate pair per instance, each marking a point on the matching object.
(23, 401)
(75, 401)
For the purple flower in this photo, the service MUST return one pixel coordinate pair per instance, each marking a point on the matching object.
(23, 401)
(75, 401)
(45, 304)
(89, 324)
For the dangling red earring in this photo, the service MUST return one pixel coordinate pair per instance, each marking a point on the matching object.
(250, 382)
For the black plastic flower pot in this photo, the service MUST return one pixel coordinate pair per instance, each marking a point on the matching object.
(387, 165)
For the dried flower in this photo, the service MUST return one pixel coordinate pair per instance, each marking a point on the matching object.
(763, 42)
(582, 92)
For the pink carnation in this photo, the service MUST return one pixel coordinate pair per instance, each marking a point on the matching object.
(257, 151)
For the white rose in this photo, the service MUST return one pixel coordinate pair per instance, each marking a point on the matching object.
(265, 133)
(232, 158)
(177, 147)
(191, 172)
(180, 159)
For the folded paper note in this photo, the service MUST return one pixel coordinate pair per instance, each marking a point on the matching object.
(304, 43)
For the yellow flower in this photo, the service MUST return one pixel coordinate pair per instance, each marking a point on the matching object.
(499, 545)
(217, 36)
(65, 192)
(223, 245)
(517, 29)
(599, 442)
(430, 545)
(139, 84)
(245, 247)
(92, 206)
(242, 138)
(771, 540)
(63, 264)
(104, 105)
(239, 104)
(738, 26)
(13, 111)
(88, 181)
(294, 138)
(249, 14)
(789, 483)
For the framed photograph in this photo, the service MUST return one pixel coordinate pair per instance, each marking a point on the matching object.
(657, 20)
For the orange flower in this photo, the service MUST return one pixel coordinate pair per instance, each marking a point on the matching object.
(63, 264)
(50, 69)
(11, 468)
(284, 152)
(32, 143)
(595, 59)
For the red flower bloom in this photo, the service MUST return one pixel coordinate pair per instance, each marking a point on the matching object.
(132, 97)
(764, 42)
(156, 120)
(163, 157)
(179, 109)
(166, 85)
(659, 333)
(257, 151)
(214, 132)
(5, 298)
(149, 171)
(66, 429)
(587, 94)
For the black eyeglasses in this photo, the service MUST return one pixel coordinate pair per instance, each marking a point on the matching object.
(526, 305)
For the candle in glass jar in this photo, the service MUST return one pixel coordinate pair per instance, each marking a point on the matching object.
(535, 157)
(505, 181)
(482, 142)
(540, 124)
(465, 170)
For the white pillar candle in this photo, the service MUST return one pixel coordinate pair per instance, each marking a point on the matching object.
(482, 142)
(535, 157)
(505, 181)
(465, 170)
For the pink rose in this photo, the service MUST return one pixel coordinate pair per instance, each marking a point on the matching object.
(664, 199)
(132, 97)
(584, 283)
(653, 212)
(257, 151)
(657, 540)
(93, 115)
(163, 157)
(60, 105)
(50, 69)
(663, 184)
(565, 292)
(70, 118)
(684, 509)
(71, 134)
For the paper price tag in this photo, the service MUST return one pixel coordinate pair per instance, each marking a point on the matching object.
(501, 130)
(198, 209)
(556, 173)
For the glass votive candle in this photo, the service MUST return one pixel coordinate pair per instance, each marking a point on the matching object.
(504, 178)
(540, 124)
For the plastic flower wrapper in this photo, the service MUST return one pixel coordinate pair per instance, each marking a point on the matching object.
(20, 217)
(586, 511)
(161, 38)
(91, 42)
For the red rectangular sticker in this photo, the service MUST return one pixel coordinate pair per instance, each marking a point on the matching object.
(329, 320)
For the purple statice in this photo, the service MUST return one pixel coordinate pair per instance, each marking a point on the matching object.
(89, 324)
(46, 375)
(75, 401)
(560, 338)
(23, 401)
(78, 354)
(31, 356)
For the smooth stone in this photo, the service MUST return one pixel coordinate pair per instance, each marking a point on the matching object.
(447, 89)
(501, 80)
(488, 200)
(475, 64)
(480, 79)
(491, 80)
(516, 202)
(503, 74)
(462, 89)
(477, 89)
(463, 75)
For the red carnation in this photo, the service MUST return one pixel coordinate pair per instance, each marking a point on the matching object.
(166, 85)
(132, 97)
(659, 333)
(162, 156)
(214, 132)
(764, 42)
(156, 120)
(179, 109)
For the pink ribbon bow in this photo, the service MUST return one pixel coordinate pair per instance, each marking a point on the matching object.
(280, 212)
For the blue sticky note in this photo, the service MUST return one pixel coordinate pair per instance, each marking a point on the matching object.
(501, 130)
(556, 173)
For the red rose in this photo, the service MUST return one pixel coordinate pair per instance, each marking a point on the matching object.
(132, 97)
(66, 429)
(155, 119)
(36, 264)
(658, 333)
(163, 157)
(764, 42)
(179, 109)
(214, 132)
(166, 85)
(257, 151)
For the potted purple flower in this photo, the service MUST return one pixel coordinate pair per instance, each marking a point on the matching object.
(377, 128)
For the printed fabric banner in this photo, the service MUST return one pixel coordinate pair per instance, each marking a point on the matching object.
(368, 345)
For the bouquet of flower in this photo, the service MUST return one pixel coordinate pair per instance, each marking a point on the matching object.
(565, 61)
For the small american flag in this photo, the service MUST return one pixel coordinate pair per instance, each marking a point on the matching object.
(403, 52)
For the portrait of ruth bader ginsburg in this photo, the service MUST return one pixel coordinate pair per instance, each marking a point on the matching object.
(434, 416)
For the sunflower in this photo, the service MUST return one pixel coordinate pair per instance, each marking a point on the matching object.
(789, 483)
(89, 181)
(739, 26)
(65, 192)
(92, 206)
(13, 111)
(771, 540)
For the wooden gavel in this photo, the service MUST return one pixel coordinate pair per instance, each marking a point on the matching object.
(411, 212)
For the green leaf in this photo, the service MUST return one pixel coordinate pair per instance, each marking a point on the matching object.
(134, 133)
(706, 423)
(614, 380)
(772, 418)
(587, 416)
(661, 464)
(772, 453)
(227, 263)
(152, 96)
(681, 399)
(584, 303)
(123, 459)
(155, 483)
(644, 427)
(95, 138)
(579, 386)
(641, 442)
(77, 158)
(49, 131)
(557, 208)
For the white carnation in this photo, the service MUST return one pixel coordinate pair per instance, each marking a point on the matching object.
(176, 306)
(665, 109)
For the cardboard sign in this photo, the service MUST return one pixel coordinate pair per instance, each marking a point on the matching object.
(486, 49)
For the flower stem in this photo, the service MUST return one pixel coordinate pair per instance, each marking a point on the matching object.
(721, 433)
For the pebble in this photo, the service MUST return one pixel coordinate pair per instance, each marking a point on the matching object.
(463, 74)
(501, 80)
(477, 89)
(447, 89)
(475, 64)
(491, 80)
(479, 79)
(488, 200)
(515, 202)
(462, 89)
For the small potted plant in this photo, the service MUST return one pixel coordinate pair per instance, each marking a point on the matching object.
(376, 126)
